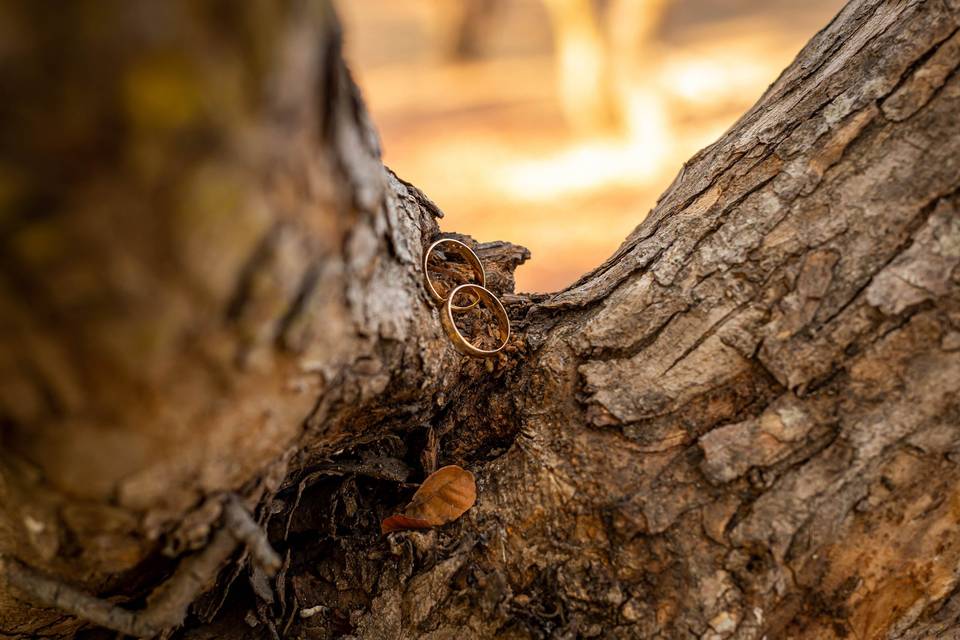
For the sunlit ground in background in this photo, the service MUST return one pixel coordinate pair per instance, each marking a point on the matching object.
(487, 140)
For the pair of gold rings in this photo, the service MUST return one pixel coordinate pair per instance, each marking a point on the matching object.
(473, 291)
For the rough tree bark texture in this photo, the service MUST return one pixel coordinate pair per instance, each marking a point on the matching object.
(745, 424)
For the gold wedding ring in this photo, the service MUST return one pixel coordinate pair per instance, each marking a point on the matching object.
(460, 342)
(464, 251)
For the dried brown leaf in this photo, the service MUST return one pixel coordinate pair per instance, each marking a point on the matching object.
(400, 522)
(443, 497)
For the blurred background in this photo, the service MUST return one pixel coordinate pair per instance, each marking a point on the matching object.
(556, 124)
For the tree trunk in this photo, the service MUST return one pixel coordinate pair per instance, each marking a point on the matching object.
(745, 424)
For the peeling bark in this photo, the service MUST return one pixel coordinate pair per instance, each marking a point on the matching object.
(744, 424)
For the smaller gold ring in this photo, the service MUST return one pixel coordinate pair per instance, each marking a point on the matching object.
(471, 259)
(460, 341)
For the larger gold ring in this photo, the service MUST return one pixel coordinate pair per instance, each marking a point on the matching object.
(460, 341)
(468, 255)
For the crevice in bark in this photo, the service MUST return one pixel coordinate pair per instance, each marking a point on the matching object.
(918, 63)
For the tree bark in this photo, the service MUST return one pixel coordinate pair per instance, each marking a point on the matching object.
(745, 424)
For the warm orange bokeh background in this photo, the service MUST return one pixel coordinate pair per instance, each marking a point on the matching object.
(490, 140)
